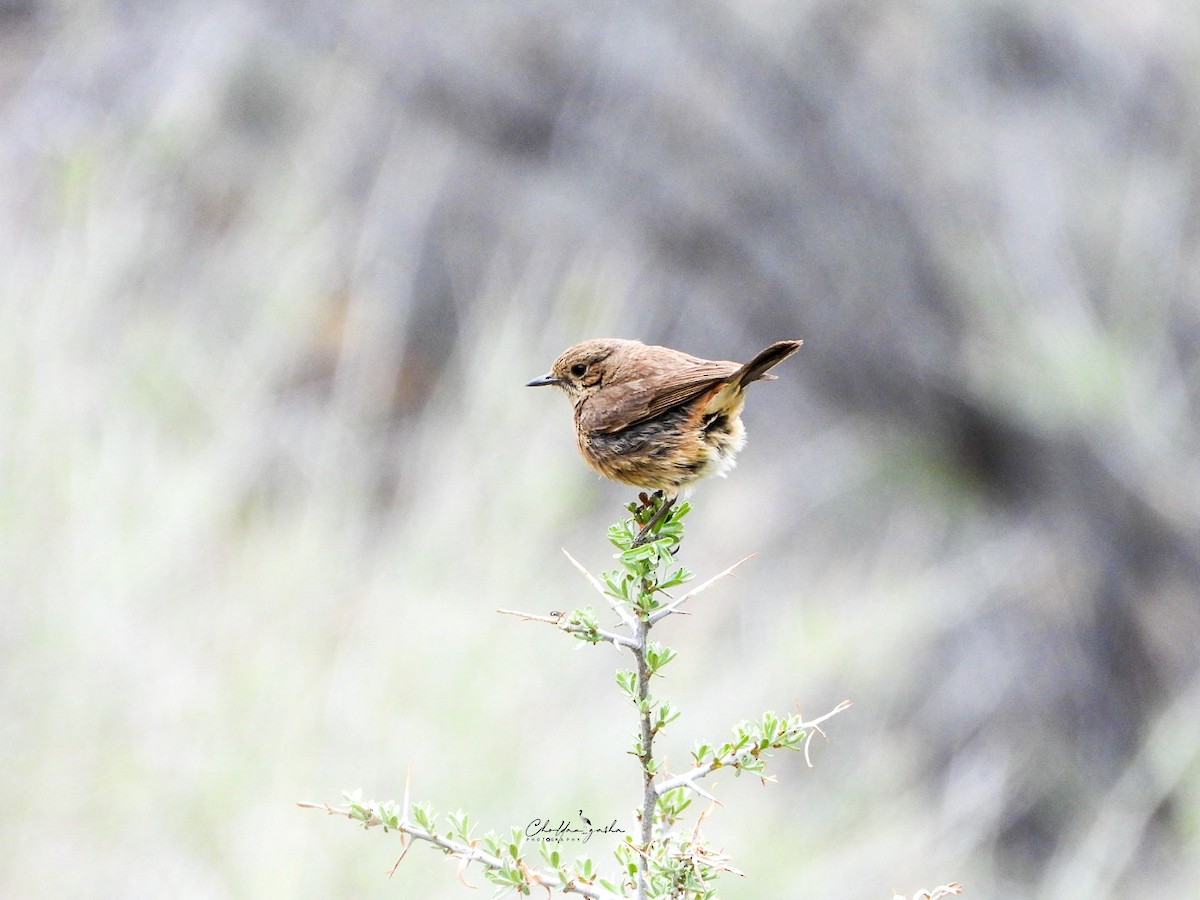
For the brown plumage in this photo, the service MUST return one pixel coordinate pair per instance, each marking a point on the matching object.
(654, 417)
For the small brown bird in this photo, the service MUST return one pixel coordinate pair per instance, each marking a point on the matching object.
(654, 417)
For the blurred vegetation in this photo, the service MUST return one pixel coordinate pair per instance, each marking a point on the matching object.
(274, 274)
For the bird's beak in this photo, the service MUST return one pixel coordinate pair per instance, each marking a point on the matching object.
(548, 378)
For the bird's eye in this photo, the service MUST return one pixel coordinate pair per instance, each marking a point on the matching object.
(578, 369)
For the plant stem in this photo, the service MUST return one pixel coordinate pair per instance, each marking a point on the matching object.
(649, 795)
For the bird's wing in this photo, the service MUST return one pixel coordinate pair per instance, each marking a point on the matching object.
(623, 404)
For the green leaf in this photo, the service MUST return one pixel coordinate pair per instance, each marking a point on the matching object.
(423, 815)
(460, 824)
(667, 713)
(658, 656)
(635, 555)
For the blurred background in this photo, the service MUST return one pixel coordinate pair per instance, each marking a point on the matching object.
(273, 276)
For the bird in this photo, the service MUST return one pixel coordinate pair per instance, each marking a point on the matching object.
(656, 418)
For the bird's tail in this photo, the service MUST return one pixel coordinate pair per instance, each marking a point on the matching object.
(756, 369)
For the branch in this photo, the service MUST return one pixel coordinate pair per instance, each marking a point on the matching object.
(466, 852)
(694, 774)
(454, 848)
(815, 727)
(618, 639)
(671, 607)
(735, 757)
(646, 754)
(618, 607)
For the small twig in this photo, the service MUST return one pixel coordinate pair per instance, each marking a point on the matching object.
(649, 531)
(403, 853)
(618, 607)
(705, 794)
(674, 605)
(465, 852)
(815, 728)
(718, 860)
(612, 638)
(689, 778)
(456, 848)
(945, 890)
(462, 873)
